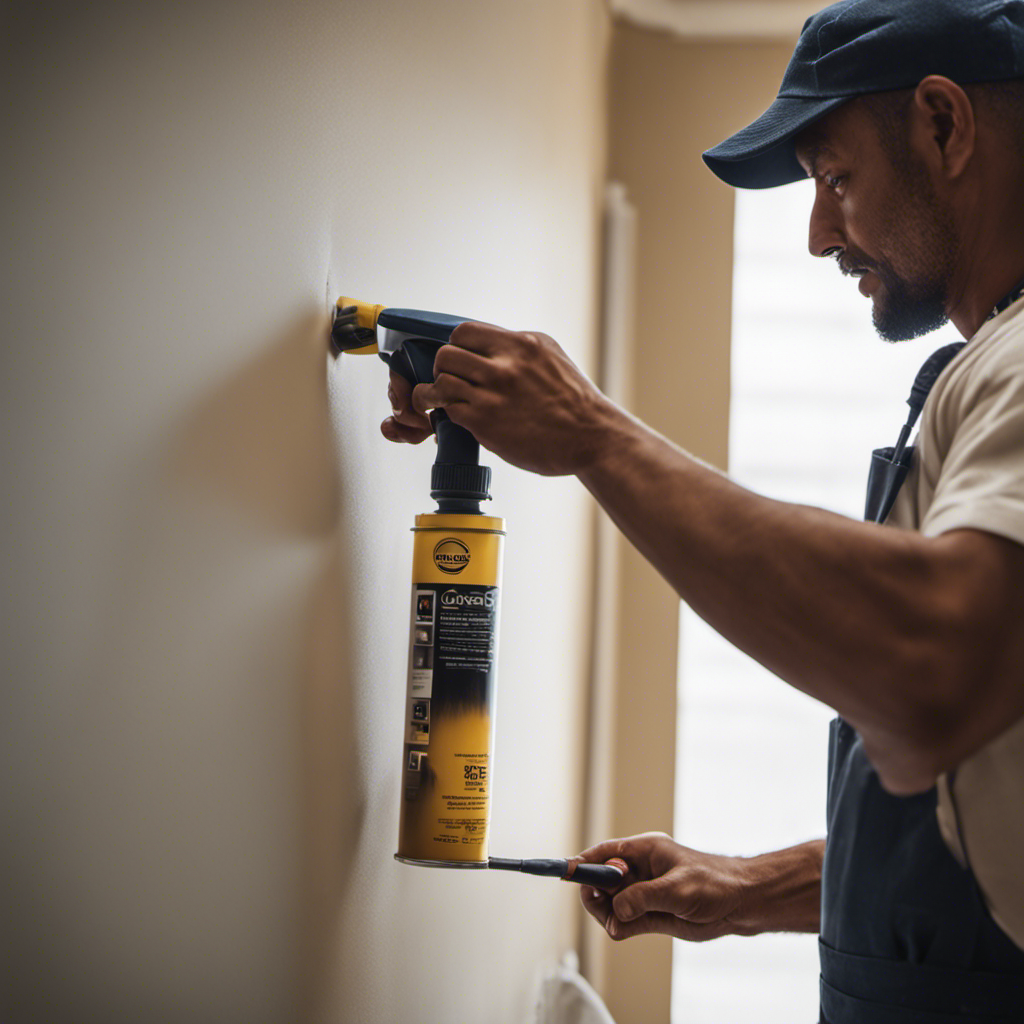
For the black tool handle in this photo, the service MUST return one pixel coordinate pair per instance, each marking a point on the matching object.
(601, 876)
(414, 360)
(457, 448)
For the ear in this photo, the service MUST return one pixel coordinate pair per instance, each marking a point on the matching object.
(943, 125)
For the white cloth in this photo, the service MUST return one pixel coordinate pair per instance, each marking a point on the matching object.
(969, 473)
(566, 997)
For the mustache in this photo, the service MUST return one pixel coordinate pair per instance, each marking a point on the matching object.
(852, 263)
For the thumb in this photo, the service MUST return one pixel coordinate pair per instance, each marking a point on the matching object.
(636, 900)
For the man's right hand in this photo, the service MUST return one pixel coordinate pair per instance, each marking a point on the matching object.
(673, 890)
(518, 394)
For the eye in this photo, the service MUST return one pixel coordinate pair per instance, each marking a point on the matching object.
(834, 182)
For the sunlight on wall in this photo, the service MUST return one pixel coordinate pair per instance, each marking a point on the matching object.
(813, 391)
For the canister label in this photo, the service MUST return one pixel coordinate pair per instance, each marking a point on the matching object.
(453, 649)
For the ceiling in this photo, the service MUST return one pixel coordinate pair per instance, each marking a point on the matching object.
(721, 19)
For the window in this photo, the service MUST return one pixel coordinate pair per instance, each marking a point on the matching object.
(813, 391)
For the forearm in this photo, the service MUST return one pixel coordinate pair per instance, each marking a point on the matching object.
(831, 605)
(784, 894)
(675, 890)
(914, 640)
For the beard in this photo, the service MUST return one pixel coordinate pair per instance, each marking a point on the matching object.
(921, 240)
(906, 308)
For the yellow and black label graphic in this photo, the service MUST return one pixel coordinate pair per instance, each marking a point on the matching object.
(450, 695)
(451, 555)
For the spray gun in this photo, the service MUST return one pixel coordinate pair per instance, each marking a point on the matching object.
(453, 636)
(407, 340)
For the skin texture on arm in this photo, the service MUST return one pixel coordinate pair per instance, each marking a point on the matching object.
(916, 641)
(673, 890)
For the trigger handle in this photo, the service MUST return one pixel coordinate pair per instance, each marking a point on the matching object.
(414, 360)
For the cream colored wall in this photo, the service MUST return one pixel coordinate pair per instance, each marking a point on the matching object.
(670, 99)
(208, 559)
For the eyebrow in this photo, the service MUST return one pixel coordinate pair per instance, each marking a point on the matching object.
(811, 152)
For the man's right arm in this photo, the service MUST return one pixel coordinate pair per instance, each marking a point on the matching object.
(915, 640)
(673, 890)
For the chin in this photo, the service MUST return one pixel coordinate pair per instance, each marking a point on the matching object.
(904, 325)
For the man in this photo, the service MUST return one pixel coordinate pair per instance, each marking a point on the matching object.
(909, 116)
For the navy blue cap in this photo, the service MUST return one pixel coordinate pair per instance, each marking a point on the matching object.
(863, 46)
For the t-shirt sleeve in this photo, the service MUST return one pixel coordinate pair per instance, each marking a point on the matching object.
(981, 484)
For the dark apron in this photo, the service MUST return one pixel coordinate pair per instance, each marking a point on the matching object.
(906, 937)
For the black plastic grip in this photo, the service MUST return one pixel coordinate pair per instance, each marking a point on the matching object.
(414, 360)
(458, 483)
(601, 876)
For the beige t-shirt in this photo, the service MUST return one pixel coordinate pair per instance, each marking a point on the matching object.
(969, 472)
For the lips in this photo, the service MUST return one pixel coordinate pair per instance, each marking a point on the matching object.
(867, 277)
(858, 271)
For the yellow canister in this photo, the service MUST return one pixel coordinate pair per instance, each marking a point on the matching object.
(453, 649)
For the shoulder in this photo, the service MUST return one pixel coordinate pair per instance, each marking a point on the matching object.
(997, 350)
(990, 367)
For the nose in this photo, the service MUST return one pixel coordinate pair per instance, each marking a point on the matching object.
(825, 232)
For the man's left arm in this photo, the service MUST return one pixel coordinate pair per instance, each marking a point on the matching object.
(917, 641)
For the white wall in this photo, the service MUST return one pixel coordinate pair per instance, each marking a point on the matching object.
(208, 548)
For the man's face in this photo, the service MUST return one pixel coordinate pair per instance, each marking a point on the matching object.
(877, 212)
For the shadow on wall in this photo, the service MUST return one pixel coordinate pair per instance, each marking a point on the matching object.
(262, 443)
(191, 829)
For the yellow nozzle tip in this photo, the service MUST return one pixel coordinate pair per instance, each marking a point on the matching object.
(366, 313)
(355, 332)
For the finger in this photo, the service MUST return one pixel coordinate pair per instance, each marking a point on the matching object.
(395, 431)
(600, 853)
(479, 337)
(663, 924)
(634, 850)
(400, 397)
(600, 906)
(640, 844)
(399, 391)
(616, 862)
(657, 895)
(460, 362)
(445, 391)
(596, 903)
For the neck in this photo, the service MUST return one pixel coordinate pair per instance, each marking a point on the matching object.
(992, 258)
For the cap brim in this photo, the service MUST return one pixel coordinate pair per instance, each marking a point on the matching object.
(761, 155)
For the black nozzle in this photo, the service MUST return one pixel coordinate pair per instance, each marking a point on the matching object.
(458, 483)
